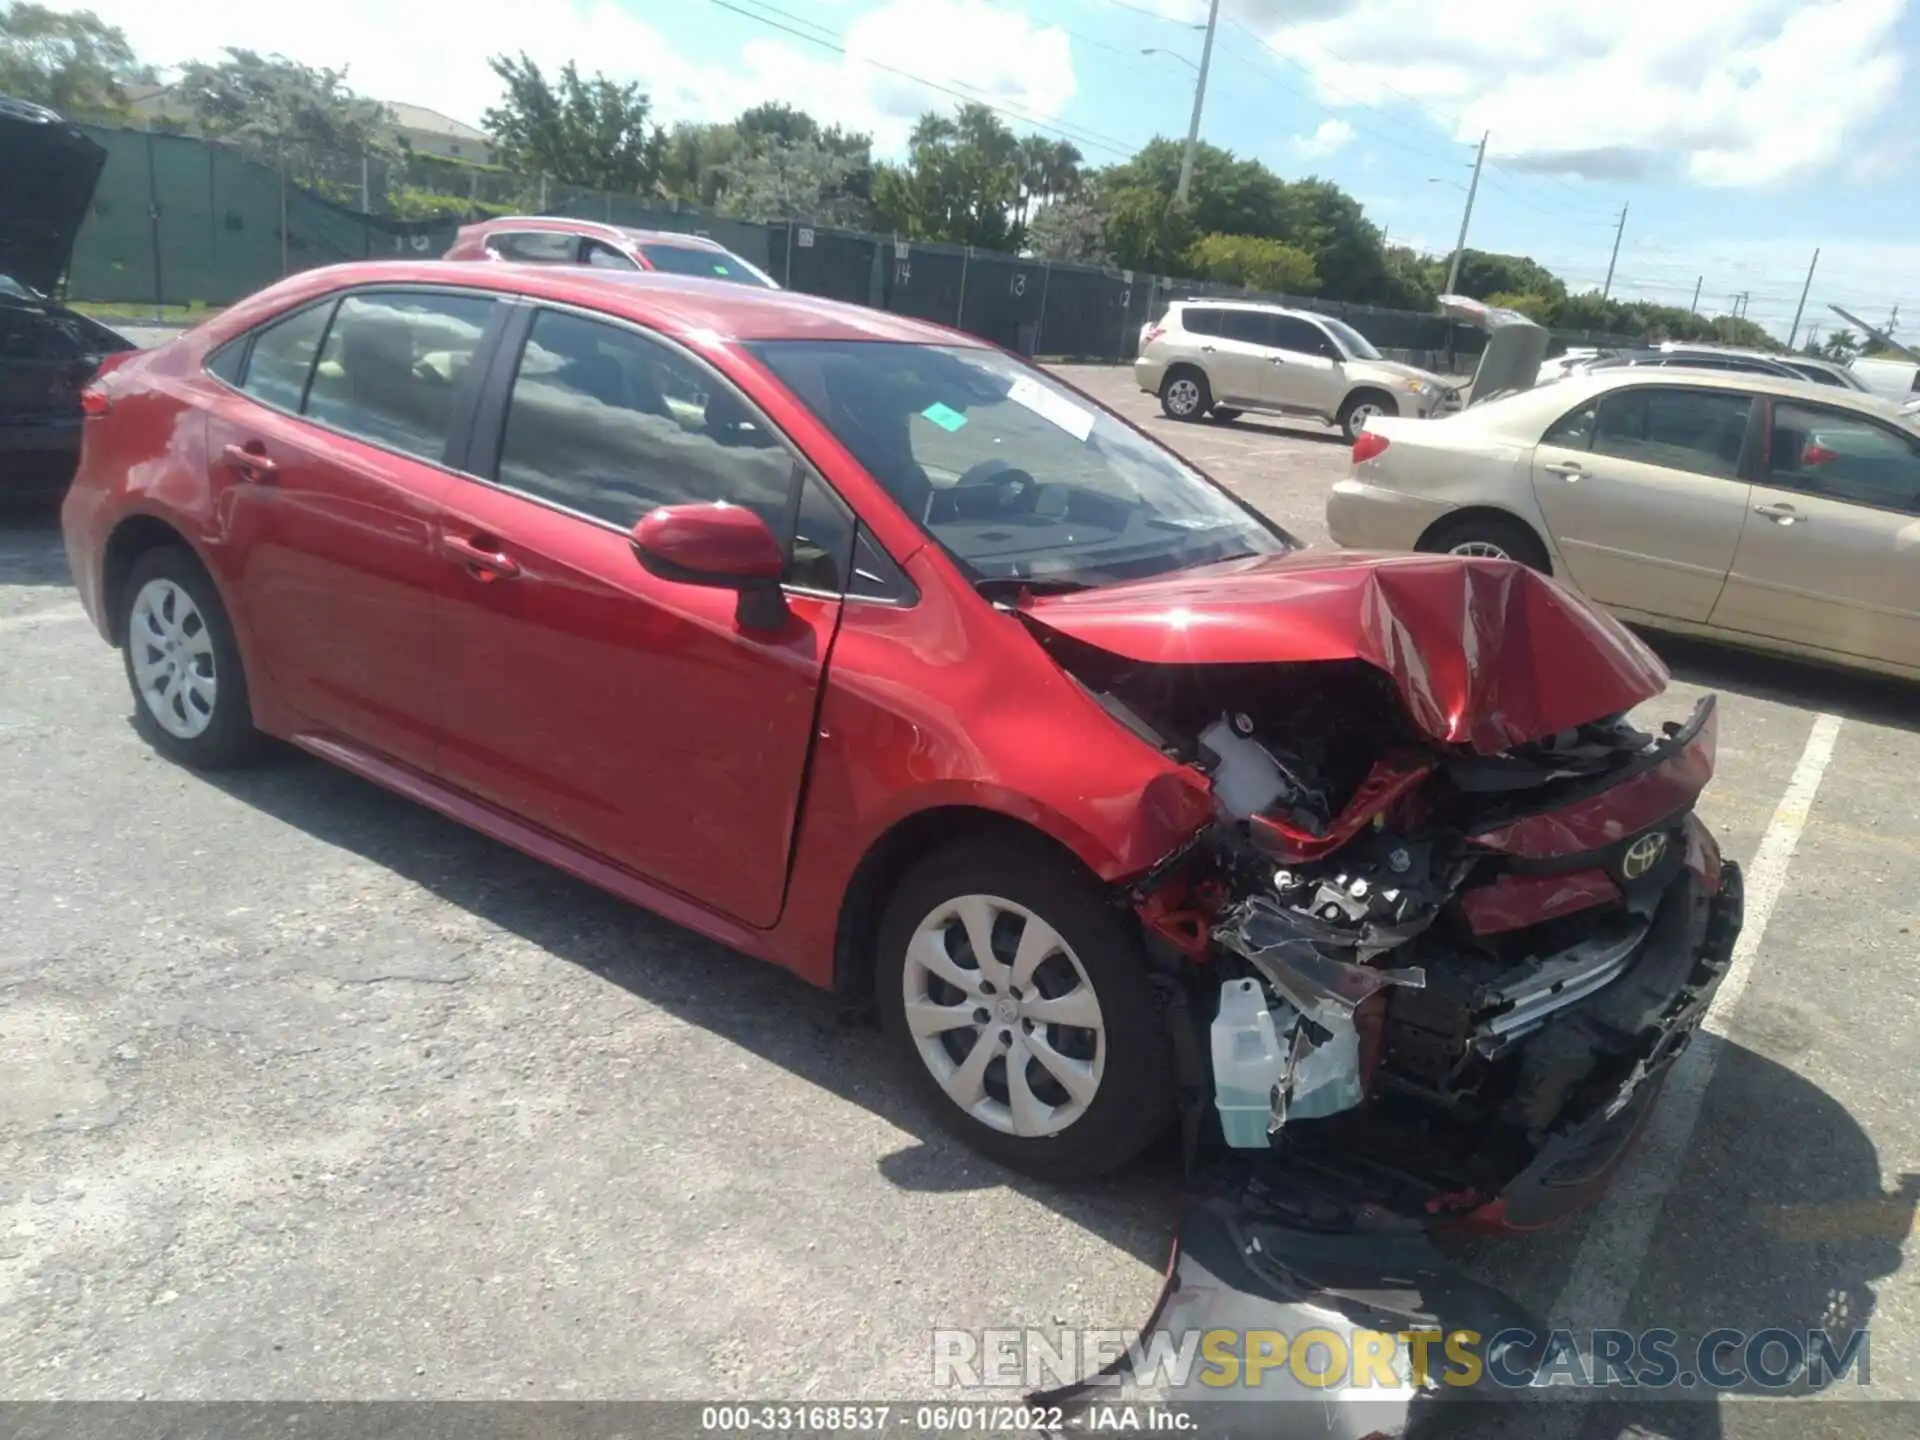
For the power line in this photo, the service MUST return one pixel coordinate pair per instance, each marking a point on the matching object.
(837, 43)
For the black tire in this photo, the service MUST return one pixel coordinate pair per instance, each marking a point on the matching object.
(1350, 418)
(228, 738)
(1224, 415)
(1173, 398)
(1133, 1102)
(1511, 537)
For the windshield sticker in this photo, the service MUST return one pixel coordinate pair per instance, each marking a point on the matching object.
(945, 416)
(721, 270)
(1054, 409)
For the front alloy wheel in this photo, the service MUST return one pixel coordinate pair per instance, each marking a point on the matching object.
(1004, 1016)
(1017, 1000)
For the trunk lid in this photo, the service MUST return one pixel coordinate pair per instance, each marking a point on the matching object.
(1484, 653)
(46, 187)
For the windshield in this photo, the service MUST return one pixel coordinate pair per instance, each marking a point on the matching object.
(697, 260)
(1016, 476)
(1357, 346)
(14, 290)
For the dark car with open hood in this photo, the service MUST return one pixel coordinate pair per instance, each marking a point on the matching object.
(865, 647)
(47, 352)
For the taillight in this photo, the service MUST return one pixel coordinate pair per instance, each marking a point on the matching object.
(94, 403)
(1366, 445)
(1153, 333)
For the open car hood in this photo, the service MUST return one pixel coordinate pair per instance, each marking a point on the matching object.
(1484, 653)
(1515, 347)
(46, 185)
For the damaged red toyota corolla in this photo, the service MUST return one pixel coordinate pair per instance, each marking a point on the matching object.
(872, 650)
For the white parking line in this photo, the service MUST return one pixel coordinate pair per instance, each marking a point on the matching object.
(1607, 1266)
(52, 615)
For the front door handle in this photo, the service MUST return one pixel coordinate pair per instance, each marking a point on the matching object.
(1566, 469)
(251, 460)
(1780, 514)
(1206, 349)
(481, 556)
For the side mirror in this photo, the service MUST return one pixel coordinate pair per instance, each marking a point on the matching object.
(725, 547)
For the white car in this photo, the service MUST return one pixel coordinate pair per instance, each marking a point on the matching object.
(1773, 513)
(1224, 357)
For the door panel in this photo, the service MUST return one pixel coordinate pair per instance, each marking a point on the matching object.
(630, 714)
(341, 575)
(1640, 491)
(1830, 555)
(1235, 360)
(1302, 373)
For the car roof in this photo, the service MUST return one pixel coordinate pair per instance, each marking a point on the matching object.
(1562, 396)
(1264, 307)
(680, 305)
(570, 225)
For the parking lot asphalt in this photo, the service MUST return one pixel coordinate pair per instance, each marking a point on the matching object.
(306, 1093)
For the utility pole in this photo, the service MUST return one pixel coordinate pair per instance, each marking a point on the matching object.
(1613, 259)
(1199, 102)
(1473, 188)
(1798, 309)
(1694, 309)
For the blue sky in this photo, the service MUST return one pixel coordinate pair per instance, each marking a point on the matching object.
(1741, 134)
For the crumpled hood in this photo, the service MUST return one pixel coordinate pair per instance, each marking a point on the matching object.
(46, 185)
(1485, 653)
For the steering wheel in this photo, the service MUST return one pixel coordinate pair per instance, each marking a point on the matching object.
(993, 487)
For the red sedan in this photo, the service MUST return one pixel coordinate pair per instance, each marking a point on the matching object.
(867, 648)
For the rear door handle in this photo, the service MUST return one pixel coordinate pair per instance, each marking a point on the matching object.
(1206, 349)
(1780, 514)
(1565, 469)
(481, 556)
(251, 460)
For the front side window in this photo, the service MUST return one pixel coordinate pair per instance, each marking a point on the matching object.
(610, 424)
(282, 357)
(535, 247)
(1818, 451)
(1357, 346)
(1017, 477)
(1696, 430)
(602, 256)
(1303, 337)
(698, 260)
(391, 364)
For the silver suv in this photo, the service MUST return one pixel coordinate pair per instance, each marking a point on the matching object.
(1224, 357)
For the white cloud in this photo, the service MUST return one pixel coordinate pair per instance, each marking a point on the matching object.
(1717, 92)
(1330, 136)
(419, 56)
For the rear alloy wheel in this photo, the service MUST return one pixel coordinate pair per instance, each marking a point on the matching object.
(1185, 395)
(1020, 1005)
(183, 664)
(1360, 407)
(1487, 537)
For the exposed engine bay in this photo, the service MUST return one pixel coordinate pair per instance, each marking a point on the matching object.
(1425, 972)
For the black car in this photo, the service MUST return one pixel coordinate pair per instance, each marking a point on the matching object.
(47, 352)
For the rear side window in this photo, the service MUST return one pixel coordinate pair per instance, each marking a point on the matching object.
(282, 357)
(1197, 321)
(1818, 451)
(1700, 431)
(535, 247)
(610, 424)
(391, 364)
(1574, 430)
(1247, 326)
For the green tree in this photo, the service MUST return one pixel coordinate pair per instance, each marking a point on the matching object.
(1072, 228)
(71, 61)
(1407, 281)
(960, 182)
(802, 180)
(1842, 345)
(694, 159)
(1148, 230)
(593, 132)
(1537, 308)
(1229, 196)
(1330, 225)
(1484, 274)
(286, 113)
(1258, 264)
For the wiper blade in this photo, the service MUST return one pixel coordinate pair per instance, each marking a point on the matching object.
(1011, 586)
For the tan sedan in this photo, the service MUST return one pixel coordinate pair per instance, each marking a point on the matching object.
(1756, 510)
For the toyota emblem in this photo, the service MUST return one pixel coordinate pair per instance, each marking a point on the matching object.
(1643, 855)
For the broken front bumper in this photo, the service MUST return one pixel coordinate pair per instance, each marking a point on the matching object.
(1268, 1253)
